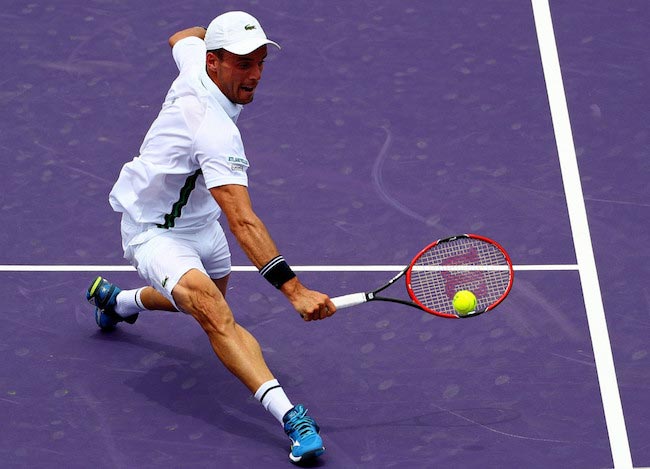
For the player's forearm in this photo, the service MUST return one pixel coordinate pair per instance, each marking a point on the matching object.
(254, 239)
(196, 31)
(257, 244)
(245, 225)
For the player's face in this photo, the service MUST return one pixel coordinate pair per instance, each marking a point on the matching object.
(237, 76)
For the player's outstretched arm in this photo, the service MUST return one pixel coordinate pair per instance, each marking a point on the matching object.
(196, 31)
(257, 244)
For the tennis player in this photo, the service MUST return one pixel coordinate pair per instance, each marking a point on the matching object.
(192, 157)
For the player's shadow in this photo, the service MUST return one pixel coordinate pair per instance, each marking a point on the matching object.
(199, 386)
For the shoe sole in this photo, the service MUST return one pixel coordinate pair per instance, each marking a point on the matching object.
(98, 311)
(93, 288)
(308, 456)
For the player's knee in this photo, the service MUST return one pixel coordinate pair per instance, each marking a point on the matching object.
(216, 322)
(198, 296)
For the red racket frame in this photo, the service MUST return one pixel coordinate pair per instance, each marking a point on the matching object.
(409, 289)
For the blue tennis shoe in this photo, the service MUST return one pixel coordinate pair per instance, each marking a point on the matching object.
(103, 295)
(306, 443)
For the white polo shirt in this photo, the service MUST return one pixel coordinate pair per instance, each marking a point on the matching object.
(193, 145)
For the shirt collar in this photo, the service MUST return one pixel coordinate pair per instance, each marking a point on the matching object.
(231, 108)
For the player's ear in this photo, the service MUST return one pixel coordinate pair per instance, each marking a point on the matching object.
(212, 60)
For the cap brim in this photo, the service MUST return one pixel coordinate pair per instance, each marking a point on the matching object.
(248, 46)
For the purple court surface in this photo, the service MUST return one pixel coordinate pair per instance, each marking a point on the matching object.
(379, 127)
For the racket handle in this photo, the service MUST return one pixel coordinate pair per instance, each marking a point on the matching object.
(346, 301)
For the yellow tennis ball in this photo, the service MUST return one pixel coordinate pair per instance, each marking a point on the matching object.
(464, 302)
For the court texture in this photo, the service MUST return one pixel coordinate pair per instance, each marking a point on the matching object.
(379, 127)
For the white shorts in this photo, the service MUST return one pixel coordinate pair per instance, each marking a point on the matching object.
(163, 259)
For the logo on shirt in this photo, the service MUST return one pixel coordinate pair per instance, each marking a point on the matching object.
(238, 163)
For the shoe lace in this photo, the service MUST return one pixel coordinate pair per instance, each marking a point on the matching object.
(303, 424)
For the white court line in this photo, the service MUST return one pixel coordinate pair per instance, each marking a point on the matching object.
(247, 268)
(591, 293)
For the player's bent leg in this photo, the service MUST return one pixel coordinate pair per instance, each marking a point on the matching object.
(152, 299)
(197, 295)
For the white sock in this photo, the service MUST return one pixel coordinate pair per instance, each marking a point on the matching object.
(272, 397)
(129, 302)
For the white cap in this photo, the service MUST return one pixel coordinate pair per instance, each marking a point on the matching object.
(237, 32)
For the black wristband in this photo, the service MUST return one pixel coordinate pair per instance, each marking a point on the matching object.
(277, 272)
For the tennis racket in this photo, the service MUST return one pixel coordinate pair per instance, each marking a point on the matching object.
(444, 267)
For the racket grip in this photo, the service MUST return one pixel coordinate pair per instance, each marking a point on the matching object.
(346, 301)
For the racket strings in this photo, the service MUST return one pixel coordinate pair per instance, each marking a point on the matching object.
(460, 264)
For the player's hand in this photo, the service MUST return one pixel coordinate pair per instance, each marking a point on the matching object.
(310, 304)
